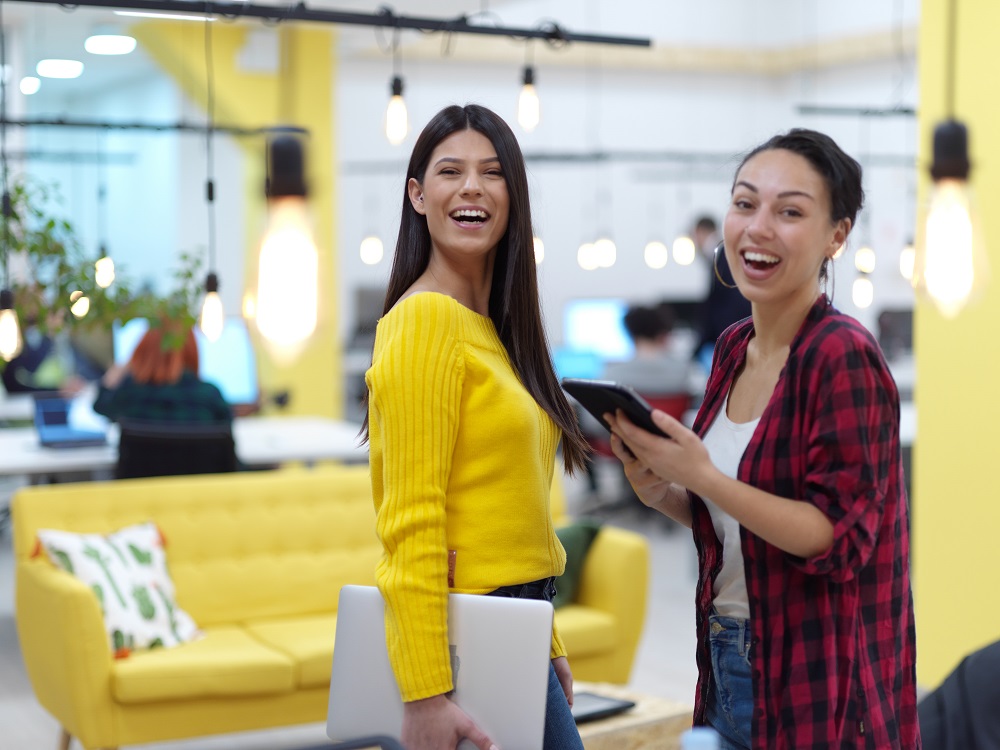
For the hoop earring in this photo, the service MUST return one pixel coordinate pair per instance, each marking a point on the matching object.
(720, 248)
(829, 280)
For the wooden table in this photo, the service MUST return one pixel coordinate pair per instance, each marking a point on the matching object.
(654, 723)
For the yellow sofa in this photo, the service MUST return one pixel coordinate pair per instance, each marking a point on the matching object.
(258, 560)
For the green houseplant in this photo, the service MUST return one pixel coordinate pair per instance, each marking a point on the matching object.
(50, 273)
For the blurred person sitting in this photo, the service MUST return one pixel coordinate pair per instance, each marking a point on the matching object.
(46, 363)
(160, 383)
(654, 370)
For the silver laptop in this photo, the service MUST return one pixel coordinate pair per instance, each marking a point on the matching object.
(501, 648)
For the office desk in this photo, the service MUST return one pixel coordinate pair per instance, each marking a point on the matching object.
(259, 441)
(17, 407)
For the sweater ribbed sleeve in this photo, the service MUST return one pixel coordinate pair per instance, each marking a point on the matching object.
(415, 408)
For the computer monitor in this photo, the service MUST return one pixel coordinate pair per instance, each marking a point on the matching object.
(597, 326)
(229, 362)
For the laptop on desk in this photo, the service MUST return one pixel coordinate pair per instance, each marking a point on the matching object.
(56, 429)
(500, 646)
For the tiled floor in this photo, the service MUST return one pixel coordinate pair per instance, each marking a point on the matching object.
(664, 666)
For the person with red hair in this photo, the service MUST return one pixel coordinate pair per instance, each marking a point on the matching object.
(161, 383)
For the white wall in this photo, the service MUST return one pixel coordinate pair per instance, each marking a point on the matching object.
(626, 110)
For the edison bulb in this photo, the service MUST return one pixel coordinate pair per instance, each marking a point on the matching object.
(287, 287)
(11, 342)
(212, 317)
(104, 270)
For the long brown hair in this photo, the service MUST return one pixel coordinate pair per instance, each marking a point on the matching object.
(153, 361)
(514, 307)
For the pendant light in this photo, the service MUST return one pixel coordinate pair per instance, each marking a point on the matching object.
(371, 250)
(104, 267)
(212, 318)
(288, 274)
(11, 342)
(528, 106)
(396, 118)
(950, 268)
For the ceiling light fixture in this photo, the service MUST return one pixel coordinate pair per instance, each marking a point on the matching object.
(684, 250)
(372, 250)
(288, 271)
(529, 108)
(29, 85)
(212, 319)
(109, 44)
(907, 257)
(396, 118)
(950, 268)
(104, 267)
(655, 254)
(53, 68)
(863, 292)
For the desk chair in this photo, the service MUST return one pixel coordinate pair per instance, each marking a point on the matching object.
(153, 449)
(674, 404)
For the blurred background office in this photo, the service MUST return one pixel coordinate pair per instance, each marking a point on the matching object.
(633, 144)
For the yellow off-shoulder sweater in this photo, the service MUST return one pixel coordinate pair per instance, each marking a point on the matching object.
(461, 463)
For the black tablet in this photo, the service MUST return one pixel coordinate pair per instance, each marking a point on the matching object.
(600, 397)
(591, 706)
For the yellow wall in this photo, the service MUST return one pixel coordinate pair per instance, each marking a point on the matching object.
(299, 93)
(956, 482)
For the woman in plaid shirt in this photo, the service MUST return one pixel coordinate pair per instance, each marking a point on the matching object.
(792, 482)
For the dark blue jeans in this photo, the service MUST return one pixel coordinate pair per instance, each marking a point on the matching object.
(560, 727)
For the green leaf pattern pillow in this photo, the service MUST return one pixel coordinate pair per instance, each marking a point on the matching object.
(127, 571)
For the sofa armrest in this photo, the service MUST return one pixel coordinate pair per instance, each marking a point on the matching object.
(615, 579)
(65, 650)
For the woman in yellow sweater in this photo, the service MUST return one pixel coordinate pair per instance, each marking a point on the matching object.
(464, 418)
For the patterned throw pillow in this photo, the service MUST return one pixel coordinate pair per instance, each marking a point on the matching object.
(127, 571)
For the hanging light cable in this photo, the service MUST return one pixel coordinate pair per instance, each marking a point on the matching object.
(396, 118)
(529, 108)
(288, 273)
(11, 342)
(212, 317)
(950, 268)
(104, 268)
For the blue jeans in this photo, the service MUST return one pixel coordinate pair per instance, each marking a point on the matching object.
(560, 727)
(730, 703)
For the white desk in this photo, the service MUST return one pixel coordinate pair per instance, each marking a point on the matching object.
(17, 407)
(259, 440)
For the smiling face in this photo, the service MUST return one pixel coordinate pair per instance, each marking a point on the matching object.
(463, 197)
(778, 229)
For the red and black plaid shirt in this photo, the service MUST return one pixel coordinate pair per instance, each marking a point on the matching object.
(833, 649)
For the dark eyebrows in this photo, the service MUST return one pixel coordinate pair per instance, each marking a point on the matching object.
(785, 194)
(456, 160)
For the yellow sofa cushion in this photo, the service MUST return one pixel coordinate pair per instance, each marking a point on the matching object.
(228, 661)
(586, 631)
(308, 641)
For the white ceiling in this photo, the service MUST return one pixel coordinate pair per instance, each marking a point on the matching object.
(44, 30)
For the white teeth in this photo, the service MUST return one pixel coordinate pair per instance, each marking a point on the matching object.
(760, 257)
(469, 214)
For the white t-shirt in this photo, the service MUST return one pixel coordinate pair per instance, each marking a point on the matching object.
(726, 442)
